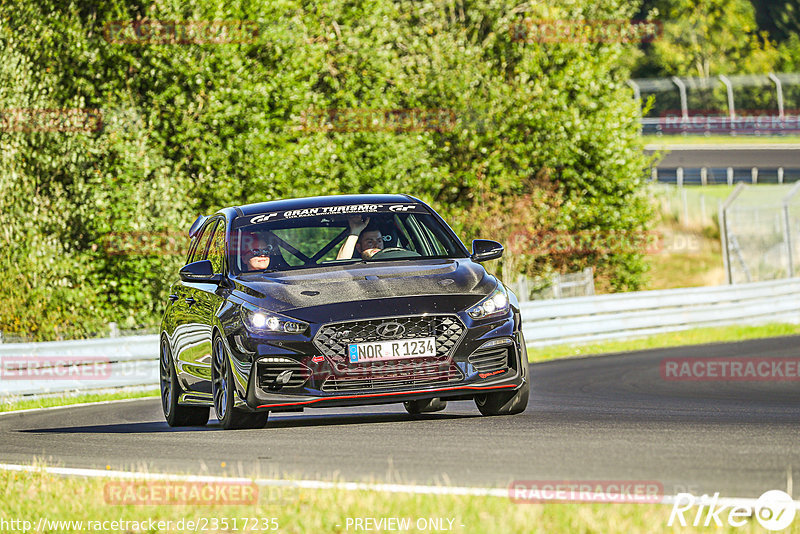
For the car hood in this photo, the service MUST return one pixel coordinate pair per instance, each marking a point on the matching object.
(288, 290)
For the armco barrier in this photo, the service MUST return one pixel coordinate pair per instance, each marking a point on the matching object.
(111, 363)
(641, 313)
(133, 360)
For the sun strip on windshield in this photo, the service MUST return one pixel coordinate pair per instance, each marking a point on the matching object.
(353, 209)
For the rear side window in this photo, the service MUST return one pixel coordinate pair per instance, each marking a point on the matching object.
(199, 252)
(216, 251)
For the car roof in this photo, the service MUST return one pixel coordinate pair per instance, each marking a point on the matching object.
(317, 202)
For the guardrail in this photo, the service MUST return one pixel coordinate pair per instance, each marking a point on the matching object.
(681, 176)
(642, 313)
(133, 360)
(79, 365)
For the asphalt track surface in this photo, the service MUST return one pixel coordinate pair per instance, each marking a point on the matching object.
(730, 156)
(600, 418)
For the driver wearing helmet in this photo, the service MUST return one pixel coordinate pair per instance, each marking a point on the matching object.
(258, 253)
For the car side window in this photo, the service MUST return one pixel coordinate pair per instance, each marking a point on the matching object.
(202, 242)
(216, 251)
(438, 248)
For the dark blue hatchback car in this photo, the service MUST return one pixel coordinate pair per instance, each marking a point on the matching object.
(337, 301)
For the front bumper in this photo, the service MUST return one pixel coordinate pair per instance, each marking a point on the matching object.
(468, 369)
(383, 397)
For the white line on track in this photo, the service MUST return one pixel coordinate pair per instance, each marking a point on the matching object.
(349, 486)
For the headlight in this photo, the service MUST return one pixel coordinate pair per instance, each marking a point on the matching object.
(262, 321)
(495, 304)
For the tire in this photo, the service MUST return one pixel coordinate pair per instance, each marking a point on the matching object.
(416, 407)
(174, 413)
(507, 403)
(224, 394)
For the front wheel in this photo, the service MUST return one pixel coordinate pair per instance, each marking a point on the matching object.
(224, 394)
(503, 403)
(507, 403)
(174, 413)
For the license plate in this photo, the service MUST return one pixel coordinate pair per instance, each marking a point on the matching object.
(399, 349)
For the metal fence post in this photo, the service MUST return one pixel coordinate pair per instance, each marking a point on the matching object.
(684, 101)
(788, 234)
(589, 274)
(729, 88)
(723, 229)
(788, 225)
(779, 91)
(637, 93)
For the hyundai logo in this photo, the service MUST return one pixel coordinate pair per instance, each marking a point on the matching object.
(390, 329)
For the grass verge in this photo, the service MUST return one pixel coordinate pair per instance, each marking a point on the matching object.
(33, 496)
(694, 336)
(8, 404)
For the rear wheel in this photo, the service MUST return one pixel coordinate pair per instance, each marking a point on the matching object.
(425, 405)
(174, 413)
(224, 394)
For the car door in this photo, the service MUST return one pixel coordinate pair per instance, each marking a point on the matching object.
(193, 332)
(206, 298)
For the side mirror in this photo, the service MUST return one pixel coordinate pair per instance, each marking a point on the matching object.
(200, 271)
(485, 249)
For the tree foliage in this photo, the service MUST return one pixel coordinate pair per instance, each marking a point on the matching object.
(711, 37)
(545, 136)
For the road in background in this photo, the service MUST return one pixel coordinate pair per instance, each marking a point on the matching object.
(602, 418)
(696, 156)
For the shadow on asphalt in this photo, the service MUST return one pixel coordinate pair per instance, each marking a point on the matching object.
(295, 421)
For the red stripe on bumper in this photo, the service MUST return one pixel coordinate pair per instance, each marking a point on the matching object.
(384, 395)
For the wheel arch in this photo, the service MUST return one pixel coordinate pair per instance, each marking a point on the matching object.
(239, 378)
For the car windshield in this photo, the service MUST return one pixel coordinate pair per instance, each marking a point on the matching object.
(314, 237)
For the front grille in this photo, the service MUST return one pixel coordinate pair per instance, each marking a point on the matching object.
(332, 339)
(270, 368)
(486, 361)
(404, 376)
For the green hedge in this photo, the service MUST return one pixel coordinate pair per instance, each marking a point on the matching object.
(537, 136)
